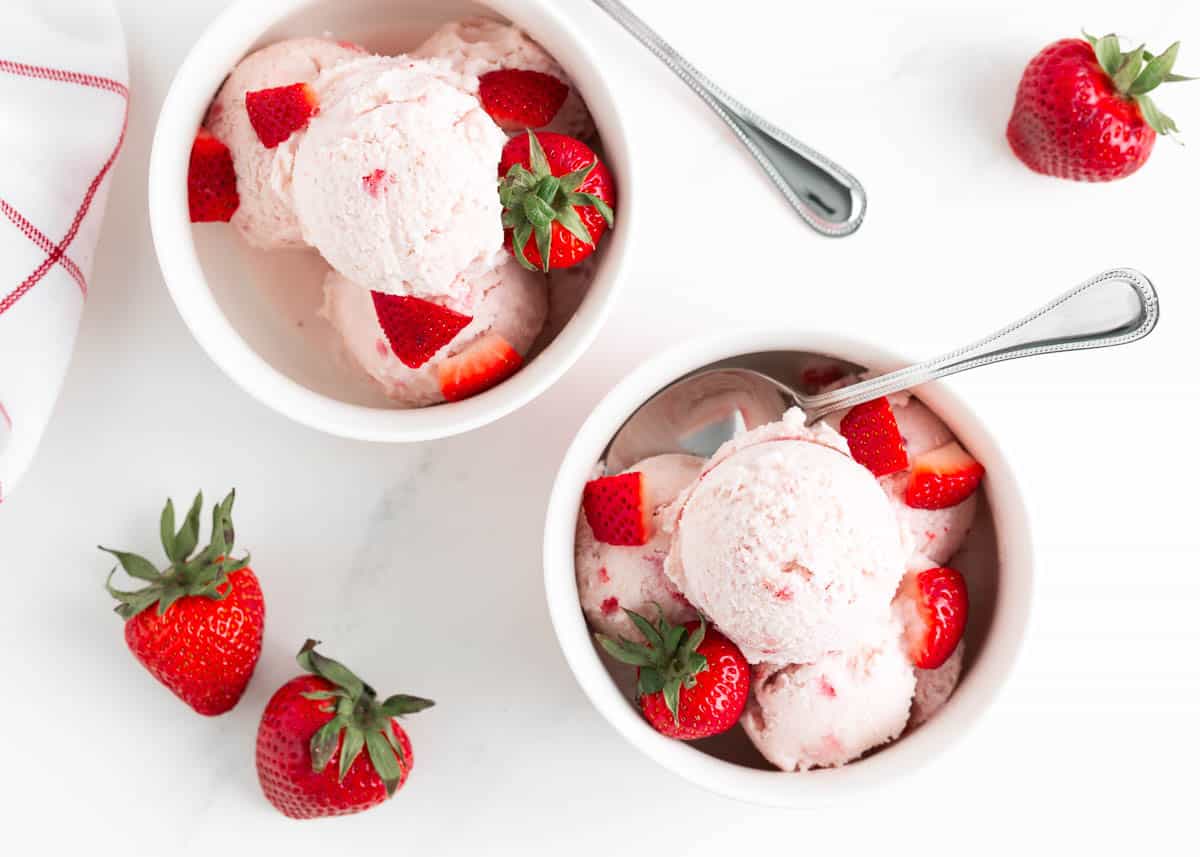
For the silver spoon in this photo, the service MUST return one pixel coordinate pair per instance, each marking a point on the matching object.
(706, 407)
(828, 198)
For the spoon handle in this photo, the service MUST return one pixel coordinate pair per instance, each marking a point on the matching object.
(1113, 308)
(828, 198)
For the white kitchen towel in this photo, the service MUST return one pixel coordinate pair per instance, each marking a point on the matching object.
(64, 96)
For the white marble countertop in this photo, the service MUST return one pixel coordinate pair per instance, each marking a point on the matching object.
(420, 565)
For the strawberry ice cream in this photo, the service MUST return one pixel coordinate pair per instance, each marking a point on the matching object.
(796, 552)
(508, 300)
(615, 578)
(265, 216)
(476, 46)
(787, 544)
(830, 711)
(395, 178)
(934, 688)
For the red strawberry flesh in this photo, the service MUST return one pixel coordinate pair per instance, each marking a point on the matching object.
(212, 182)
(933, 604)
(617, 510)
(481, 366)
(517, 99)
(416, 329)
(942, 478)
(874, 438)
(277, 113)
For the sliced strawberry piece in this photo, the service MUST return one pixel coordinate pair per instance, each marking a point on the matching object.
(933, 606)
(874, 438)
(517, 99)
(417, 329)
(616, 509)
(277, 113)
(816, 378)
(212, 183)
(942, 478)
(483, 365)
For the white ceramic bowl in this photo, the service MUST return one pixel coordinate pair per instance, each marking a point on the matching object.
(1000, 551)
(212, 276)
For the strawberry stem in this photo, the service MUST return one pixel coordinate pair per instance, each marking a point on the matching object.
(203, 574)
(1134, 80)
(534, 199)
(359, 720)
(667, 662)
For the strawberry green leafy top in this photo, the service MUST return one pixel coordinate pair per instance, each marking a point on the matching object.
(203, 574)
(359, 719)
(1136, 73)
(534, 199)
(667, 662)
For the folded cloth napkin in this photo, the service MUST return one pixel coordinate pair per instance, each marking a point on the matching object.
(64, 94)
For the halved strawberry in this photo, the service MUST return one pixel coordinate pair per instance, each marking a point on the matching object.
(277, 113)
(211, 181)
(483, 365)
(942, 478)
(933, 606)
(616, 509)
(417, 329)
(517, 98)
(874, 438)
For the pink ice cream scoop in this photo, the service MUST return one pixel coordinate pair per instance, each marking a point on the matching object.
(395, 178)
(934, 688)
(831, 710)
(476, 46)
(266, 216)
(787, 544)
(508, 300)
(615, 578)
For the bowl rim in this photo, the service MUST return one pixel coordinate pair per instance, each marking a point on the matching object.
(225, 41)
(992, 665)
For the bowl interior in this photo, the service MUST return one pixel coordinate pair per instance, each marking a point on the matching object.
(278, 317)
(995, 560)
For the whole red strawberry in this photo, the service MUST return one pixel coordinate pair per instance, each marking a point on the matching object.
(325, 714)
(204, 635)
(692, 681)
(558, 199)
(1083, 109)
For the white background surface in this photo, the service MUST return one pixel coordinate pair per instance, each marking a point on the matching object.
(419, 566)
